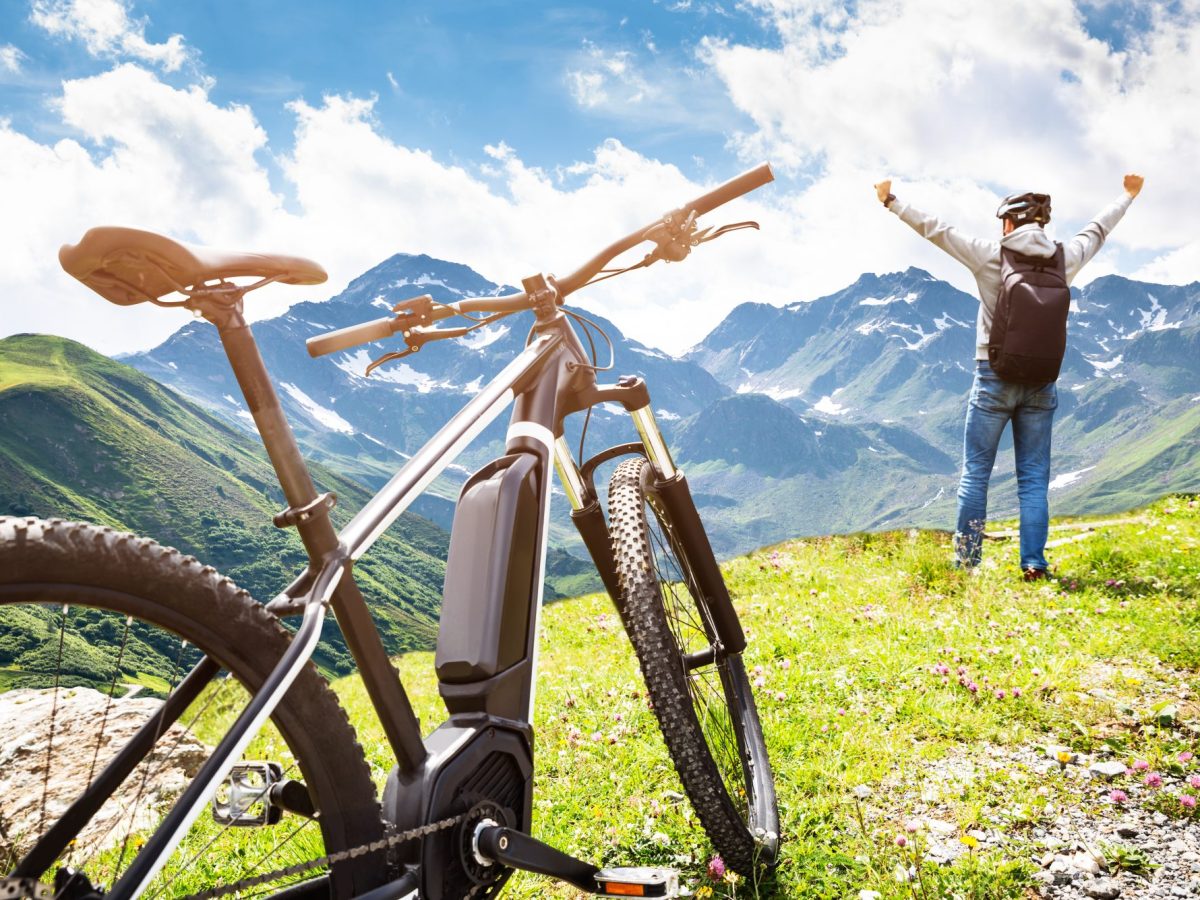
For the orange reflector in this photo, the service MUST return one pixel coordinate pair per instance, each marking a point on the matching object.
(624, 890)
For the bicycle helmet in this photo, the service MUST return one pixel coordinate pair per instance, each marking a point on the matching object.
(1025, 208)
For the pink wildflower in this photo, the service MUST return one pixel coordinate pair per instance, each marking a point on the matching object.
(912, 827)
(1118, 796)
(760, 681)
(1000, 695)
(902, 841)
(716, 868)
(841, 712)
(1187, 801)
(1185, 757)
(1140, 765)
(785, 664)
(973, 688)
(1016, 692)
(1194, 781)
(780, 696)
(1153, 780)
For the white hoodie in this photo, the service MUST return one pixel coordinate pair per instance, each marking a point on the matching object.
(982, 257)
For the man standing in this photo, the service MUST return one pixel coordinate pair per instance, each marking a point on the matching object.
(993, 402)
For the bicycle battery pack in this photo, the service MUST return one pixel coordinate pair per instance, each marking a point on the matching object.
(489, 582)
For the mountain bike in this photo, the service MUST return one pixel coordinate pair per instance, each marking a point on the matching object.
(455, 814)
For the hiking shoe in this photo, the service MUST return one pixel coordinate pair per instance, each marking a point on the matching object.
(1035, 574)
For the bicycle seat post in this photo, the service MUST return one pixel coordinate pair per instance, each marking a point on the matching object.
(222, 306)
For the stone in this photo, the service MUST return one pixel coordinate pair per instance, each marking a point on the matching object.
(869, 895)
(1085, 862)
(1159, 819)
(1107, 770)
(1103, 888)
(1178, 846)
(1127, 830)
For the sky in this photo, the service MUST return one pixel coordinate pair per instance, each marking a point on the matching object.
(521, 137)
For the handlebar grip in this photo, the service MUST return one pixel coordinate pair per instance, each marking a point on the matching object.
(734, 187)
(343, 338)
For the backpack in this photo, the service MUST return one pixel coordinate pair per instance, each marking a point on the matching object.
(1029, 326)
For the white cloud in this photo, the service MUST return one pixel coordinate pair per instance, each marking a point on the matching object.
(832, 106)
(106, 29)
(978, 100)
(11, 58)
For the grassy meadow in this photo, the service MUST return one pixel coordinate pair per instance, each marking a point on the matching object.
(880, 667)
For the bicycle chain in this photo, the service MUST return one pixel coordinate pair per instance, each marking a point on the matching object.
(332, 858)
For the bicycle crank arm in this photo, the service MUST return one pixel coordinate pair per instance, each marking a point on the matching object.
(497, 844)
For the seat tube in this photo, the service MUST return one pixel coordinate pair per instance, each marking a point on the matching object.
(362, 637)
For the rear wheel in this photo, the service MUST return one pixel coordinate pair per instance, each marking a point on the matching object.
(701, 694)
(96, 628)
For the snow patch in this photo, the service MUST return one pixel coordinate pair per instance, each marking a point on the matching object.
(1105, 365)
(474, 386)
(381, 303)
(229, 398)
(827, 405)
(651, 353)
(1061, 481)
(484, 337)
(667, 416)
(936, 497)
(780, 393)
(325, 416)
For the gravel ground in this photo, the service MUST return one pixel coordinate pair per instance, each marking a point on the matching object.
(1099, 827)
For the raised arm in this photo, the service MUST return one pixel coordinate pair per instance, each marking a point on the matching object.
(1081, 248)
(971, 252)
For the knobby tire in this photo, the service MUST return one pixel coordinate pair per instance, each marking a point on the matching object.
(666, 618)
(54, 562)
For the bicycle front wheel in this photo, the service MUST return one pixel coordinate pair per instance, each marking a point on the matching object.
(701, 694)
(98, 630)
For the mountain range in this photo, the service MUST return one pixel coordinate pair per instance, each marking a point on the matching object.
(835, 414)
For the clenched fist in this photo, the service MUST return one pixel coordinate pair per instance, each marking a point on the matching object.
(885, 187)
(1133, 184)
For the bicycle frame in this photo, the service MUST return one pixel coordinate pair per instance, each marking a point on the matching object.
(486, 665)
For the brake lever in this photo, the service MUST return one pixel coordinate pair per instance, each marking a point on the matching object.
(416, 338)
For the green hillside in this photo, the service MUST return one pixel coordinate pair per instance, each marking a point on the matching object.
(869, 739)
(84, 437)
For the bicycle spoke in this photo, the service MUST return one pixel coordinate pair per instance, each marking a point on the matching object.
(694, 633)
(161, 714)
(130, 809)
(62, 633)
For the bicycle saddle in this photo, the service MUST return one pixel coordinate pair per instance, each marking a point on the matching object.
(127, 266)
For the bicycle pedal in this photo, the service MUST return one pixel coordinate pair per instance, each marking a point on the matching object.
(12, 888)
(637, 881)
(244, 798)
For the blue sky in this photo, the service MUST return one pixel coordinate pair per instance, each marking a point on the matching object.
(518, 137)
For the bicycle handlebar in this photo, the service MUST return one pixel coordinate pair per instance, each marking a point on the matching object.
(352, 336)
(378, 329)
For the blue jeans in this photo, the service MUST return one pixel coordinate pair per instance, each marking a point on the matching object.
(993, 404)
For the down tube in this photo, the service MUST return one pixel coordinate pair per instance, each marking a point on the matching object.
(431, 460)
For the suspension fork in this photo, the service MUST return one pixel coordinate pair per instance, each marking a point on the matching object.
(671, 485)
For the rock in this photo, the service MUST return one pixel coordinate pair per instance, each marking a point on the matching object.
(80, 713)
(1159, 819)
(1047, 859)
(1107, 770)
(869, 895)
(1085, 862)
(1044, 877)
(1127, 830)
(1178, 846)
(1103, 888)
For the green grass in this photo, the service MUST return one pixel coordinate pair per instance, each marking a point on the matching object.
(848, 632)
(847, 635)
